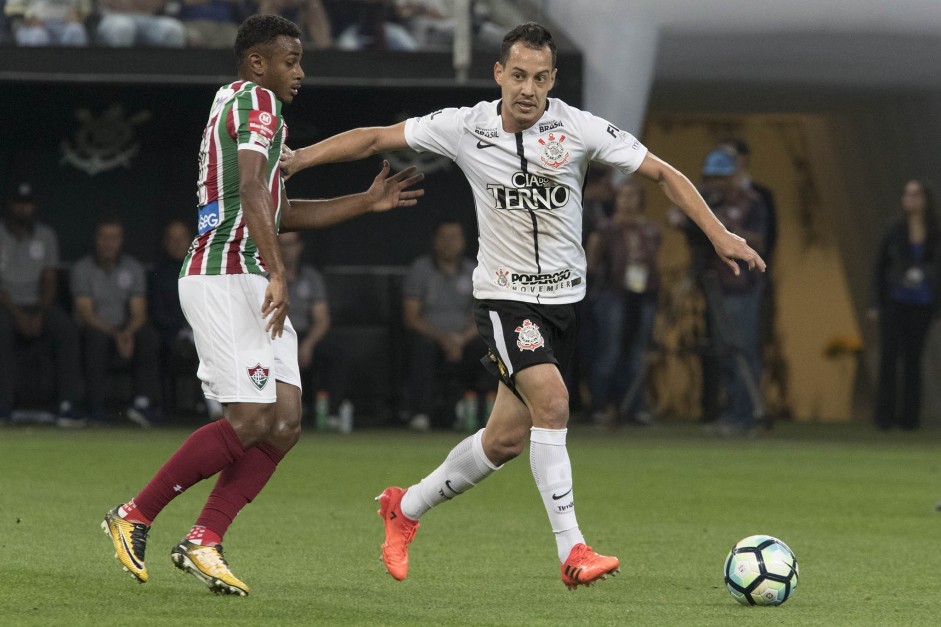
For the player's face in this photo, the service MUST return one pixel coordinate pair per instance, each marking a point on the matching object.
(524, 82)
(281, 71)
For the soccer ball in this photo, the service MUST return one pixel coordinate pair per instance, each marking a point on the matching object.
(761, 570)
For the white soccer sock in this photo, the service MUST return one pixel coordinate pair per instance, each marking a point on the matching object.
(552, 470)
(465, 466)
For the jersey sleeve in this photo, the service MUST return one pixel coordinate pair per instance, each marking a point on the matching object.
(610, 145)
(438, 132)
(256, 119)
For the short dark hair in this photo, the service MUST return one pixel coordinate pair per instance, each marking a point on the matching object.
(262, 29)
(531, 35)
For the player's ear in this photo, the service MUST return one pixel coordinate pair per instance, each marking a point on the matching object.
(498, 72)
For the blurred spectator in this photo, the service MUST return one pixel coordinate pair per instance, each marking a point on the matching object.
(734, 304)
(437, 307)
(311, 15)
(432, 23)
(211, 23)
(622, 259)
(49, 22)
(905, 300)
(29, 311)
(6, 35)
(597, 203)
(322, 362)
(110, 302)
(369, 24)
(598, 197)
(744, 179)
(126, 23)
(177, 348)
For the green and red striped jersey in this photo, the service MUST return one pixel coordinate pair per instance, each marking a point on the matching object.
(244, 116)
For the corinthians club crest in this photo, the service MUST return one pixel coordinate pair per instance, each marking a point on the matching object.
(554, 153)
(529, 338)
(103, 143)
(259, 376)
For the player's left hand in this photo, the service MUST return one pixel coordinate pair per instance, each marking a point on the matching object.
(730, 247)
(388, 192)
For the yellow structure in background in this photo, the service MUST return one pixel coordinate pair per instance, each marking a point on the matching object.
(789, 154)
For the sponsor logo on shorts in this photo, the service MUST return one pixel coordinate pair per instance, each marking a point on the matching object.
(528, 336)
(258, 375)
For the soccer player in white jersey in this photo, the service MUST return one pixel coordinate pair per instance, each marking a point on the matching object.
(234, 295)
(525, 157)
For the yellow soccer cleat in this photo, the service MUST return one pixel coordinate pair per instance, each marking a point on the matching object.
(130, 542)
(207, 564)
(584, 567)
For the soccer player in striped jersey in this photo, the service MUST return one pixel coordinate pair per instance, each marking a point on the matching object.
(234, 295)
(525, 157)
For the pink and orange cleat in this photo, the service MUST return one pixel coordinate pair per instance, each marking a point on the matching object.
(584, 567)
(399, 532)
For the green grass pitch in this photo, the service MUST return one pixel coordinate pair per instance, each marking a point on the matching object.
(857, 507)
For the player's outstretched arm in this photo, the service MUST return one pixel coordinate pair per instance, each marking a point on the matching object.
(685, 196)
(385, 193)
(353, 145)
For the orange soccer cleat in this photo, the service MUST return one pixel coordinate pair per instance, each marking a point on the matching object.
(584, 567)
(399, 532)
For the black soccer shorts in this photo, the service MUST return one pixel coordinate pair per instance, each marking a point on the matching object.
(519, 335)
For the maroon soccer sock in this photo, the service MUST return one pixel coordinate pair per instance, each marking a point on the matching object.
(237, 486)
(208, 450)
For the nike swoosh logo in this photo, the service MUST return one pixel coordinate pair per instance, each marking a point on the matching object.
(130, 554)
(448, 483)
(556, 498)
(481, 144)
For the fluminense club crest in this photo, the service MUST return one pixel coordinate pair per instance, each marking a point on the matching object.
(554, 153)
(259, 376)
(529, 338)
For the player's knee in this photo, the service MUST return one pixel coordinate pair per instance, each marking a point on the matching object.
(553, 413)
(503, 446)
(285, 432)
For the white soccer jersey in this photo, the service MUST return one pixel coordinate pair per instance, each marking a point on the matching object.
(527, 191)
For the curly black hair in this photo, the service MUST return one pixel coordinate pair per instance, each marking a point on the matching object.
(532, 35)
(262, 29)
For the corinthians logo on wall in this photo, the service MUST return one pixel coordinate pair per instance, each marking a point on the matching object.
(105, 142)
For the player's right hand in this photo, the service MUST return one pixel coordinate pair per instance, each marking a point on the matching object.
(731, 247)
(286, 162)
(275, 308)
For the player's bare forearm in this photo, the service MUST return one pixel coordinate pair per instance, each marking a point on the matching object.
(317, 214)
(684, 195)
(681, 193)
(386, 192)
(352, 145)
(259, 217)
